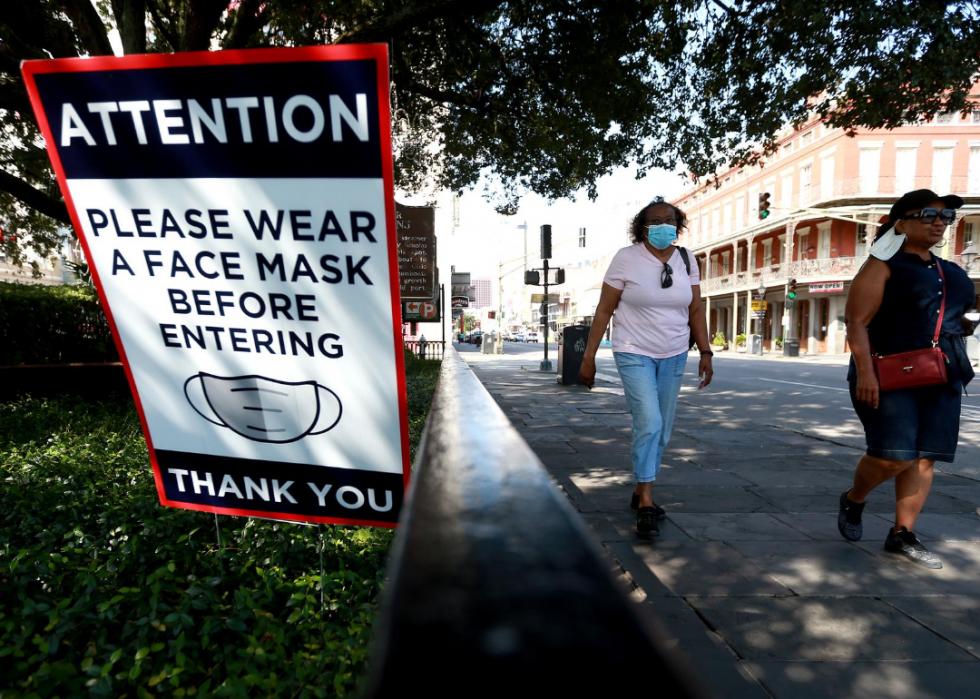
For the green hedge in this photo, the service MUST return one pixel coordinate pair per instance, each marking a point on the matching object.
(106, 593)
(53, 325)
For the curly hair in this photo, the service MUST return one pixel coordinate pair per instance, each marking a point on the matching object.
(637, 229)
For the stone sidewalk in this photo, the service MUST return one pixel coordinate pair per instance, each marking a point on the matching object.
(749, 573)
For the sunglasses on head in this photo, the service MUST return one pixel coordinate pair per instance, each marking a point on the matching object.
(666, 281)
(929, 215)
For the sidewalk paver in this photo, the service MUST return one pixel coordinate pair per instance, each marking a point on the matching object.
(749, 576)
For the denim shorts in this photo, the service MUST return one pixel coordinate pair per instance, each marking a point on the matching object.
(651, 386)
(912, 423)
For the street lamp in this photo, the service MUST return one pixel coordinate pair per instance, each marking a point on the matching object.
(968, 255)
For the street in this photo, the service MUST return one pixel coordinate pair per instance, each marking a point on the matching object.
(806, 395)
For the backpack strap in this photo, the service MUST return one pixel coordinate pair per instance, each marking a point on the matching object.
(687, 261)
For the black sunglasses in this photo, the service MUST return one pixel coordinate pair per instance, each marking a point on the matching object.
(666, 281)
(928, 216)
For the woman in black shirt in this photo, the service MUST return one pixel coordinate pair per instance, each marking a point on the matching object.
(893, 306)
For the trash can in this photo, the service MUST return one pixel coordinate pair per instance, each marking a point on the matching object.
(754, 344)
(791, 348)
(571, 352)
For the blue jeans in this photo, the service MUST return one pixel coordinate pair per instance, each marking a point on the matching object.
(652, 386)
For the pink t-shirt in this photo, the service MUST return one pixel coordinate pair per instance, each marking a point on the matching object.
(651, 320)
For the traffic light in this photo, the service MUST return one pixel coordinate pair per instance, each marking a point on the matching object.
(491, 315)
(764, 205)
(543, 310)
(532, 277)
(559, 276)
(791, 290)
(545, 242)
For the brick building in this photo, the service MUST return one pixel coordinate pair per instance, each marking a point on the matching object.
(828, 191)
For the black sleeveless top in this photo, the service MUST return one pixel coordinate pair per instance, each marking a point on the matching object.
(906, 319)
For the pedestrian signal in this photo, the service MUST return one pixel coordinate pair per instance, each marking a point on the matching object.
(559, 276)
(491, 314)
(764, 205)
(791, 290)
(532, 277)
(545, 242)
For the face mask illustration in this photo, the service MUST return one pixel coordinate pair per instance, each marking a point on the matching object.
(264, 409)
(661, 236)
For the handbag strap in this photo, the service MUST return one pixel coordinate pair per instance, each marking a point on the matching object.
(942, 305)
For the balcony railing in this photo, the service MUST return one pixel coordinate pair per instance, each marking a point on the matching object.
(827, 268)
(819, 195)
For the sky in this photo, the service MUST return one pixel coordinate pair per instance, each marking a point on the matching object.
(483, 238)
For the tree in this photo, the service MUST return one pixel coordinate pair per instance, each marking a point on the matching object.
(545, 95)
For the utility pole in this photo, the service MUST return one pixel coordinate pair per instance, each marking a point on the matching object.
(546, 365)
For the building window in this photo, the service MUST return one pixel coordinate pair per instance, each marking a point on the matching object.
(806, 177)
(806, 139)
(942, 168)
(767, 252)
(739, 213)
(861, 241)
(868, 163)
(905, 170)
(804, 246)
(725, 259)
(581, 237)
(971, 232)
(975, 116)
(727, 218)
(827, 178)
(945, 117)
(786, 202)
(973, 180)
(823, 241)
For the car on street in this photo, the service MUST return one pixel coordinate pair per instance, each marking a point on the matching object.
(531, 337)
(519, 337)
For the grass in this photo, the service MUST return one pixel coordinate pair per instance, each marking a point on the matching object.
(103, 592)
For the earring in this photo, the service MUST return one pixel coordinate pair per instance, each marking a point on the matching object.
(942, 243)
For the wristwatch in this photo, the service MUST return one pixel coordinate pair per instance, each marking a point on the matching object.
(707, 353)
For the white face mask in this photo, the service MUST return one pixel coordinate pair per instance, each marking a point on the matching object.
(887, 245)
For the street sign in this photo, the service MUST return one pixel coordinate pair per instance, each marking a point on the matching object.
(237, 212)
(416, 251)
(758, 315)
(539, 298)
(826, 287)
(421, 311)
(759, 305)
(461, 302)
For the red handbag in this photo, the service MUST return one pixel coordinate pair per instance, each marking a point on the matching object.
(923, 367)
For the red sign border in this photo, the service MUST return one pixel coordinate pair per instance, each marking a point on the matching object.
(348, 52)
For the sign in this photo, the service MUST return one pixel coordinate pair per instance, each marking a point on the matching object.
(461, 302)
(416, 227)
(759, 305)
(826, 287)
(422, 311)
(539, 298)
(237, 211)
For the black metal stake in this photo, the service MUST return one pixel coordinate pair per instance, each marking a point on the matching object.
(319, 529)
(221, 547)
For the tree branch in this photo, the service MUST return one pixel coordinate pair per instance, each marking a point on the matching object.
(34, 198)
(199, 23)
(88, 25)
(131, 22)
(248, 20)
(158, 24)
(414, 15)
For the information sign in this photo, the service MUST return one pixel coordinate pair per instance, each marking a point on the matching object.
(826, 287)
(416, 251)
(237, 212)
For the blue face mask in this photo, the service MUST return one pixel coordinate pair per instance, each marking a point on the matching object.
(661, 236)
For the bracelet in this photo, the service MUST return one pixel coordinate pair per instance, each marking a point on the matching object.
(707, 353)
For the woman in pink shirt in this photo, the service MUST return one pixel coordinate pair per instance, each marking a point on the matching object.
(658, 309)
